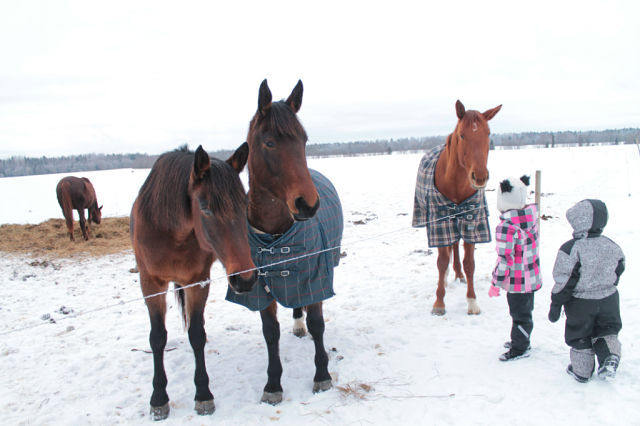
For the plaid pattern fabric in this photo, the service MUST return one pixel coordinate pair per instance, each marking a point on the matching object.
(446, 221)
(518, 267)
(305, 281)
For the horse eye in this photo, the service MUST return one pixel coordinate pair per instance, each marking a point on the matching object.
(205, 209)
(462, 137)
(270, 144)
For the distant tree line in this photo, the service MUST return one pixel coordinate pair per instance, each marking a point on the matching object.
(24, 166)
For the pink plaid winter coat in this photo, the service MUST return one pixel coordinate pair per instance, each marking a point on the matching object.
(518, 267)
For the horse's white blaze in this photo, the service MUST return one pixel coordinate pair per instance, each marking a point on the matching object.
(473, 307)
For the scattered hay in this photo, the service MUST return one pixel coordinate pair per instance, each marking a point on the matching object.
(355, 390)
(49, 240)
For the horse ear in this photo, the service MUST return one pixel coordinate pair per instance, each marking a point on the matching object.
(201, 163)
(525, 179)
(295, 98)
(459, 110)
(490, 113)
(239, 158)
(264, 98)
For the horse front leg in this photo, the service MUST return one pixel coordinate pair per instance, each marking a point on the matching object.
(196, 298)
(444, 255)
(469, 266)
(271, 330)
(298, 323)
(315, 323)
(84, 226)
(157, 308)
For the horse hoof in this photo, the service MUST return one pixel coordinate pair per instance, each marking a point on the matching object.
(159, 413)
(272, 398)
(438, 311)
(473, 309)
(204, 408)
(322, 386)
(298, 327)
(299, 332)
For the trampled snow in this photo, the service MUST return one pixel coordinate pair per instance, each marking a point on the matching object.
(392, 361)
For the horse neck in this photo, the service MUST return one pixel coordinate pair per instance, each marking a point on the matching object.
(266, 212)
(450, 177)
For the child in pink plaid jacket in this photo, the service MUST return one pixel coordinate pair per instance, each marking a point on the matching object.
(517, 269)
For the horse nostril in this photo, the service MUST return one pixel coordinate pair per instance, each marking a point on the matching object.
(473, 175)
(304, 210)
(242, 285)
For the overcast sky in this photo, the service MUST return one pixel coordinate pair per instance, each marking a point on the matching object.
(132, 76)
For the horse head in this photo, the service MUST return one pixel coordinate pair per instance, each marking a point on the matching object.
(219, 214)
(277, 160)
(95, 213)
(470, 143)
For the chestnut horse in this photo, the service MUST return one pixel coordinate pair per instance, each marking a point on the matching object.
(450, 199)
(189, 212)
(78, 193)
(291, 209)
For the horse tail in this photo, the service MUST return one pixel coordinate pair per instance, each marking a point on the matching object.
(181, 298)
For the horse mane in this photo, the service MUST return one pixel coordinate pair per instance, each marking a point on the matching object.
(164, 199)
(280, 119)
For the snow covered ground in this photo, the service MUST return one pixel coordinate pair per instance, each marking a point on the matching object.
(393, 360)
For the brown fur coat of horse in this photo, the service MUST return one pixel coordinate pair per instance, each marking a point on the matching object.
(78, 193)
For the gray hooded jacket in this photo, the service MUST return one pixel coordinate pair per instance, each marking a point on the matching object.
(589, 265)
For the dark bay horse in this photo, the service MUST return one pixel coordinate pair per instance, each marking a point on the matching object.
(450, 199)
(78, 193)
(189, 212)
(292, 211)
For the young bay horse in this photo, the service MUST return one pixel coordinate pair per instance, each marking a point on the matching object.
(450, 199)
(78, 193)
(293, 211)
(189, 212)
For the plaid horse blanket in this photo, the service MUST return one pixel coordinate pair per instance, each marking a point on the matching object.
(446, 221)
(303, 281)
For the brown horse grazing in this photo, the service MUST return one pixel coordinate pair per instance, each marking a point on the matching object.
(189, 212)
(450, 199)
(78, 193)
(292, 211)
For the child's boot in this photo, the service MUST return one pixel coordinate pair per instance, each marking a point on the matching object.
(607, 350)
(582, 364)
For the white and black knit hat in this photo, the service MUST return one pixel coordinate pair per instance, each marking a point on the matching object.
(512, 193)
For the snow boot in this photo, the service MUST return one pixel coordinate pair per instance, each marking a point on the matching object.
(513, 354)
(575, 376)
(507, 345)
(607, 369)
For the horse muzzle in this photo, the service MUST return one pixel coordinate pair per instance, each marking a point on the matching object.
(478, 182)
(305, 211)
(243, 285)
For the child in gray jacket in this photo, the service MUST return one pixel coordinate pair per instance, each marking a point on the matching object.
(586, 275)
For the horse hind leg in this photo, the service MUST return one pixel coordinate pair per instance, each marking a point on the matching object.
(196, 298)
(271, 330)
(299, 329)
(67, 212)
(457, 268)
(315, 323)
